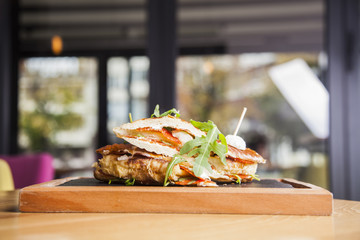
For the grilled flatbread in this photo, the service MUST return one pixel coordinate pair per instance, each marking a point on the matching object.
(126, 161)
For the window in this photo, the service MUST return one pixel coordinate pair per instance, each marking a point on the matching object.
(128, 91)
(58, 110)
(117, 94)
(218, 87)
(139, 87)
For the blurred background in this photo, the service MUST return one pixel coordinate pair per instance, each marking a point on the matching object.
(73, 70)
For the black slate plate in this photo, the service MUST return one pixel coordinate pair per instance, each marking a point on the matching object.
(265, 183)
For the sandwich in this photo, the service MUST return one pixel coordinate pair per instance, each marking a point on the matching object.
(164, 149)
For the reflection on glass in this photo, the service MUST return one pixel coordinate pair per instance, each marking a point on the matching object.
(139, 87)
(128, 91)
(117, 94)
(58, 109)
(218, 87)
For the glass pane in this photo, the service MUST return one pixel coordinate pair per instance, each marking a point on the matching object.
(219, 87)
(58, 110)
(128, 91)
(117, 94)
(139, 87)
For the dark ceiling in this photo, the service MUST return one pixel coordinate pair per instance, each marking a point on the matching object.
(114, 25)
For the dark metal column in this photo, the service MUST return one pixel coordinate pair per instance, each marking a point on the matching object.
(8, 76)
(352, 47)
(162, 51)
(344, 85)
(102, 106)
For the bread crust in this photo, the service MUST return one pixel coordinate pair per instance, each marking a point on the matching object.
(245, 155)
(147, 171)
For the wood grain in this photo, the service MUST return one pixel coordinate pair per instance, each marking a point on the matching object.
(343, 224)
(305, 199)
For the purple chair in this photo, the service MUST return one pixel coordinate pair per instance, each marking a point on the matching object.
(30, 168)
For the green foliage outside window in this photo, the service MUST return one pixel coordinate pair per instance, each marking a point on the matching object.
(52, 100)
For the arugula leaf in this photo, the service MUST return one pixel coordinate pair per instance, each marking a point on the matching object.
(194, 152)
(201, 148)
(204, 145)
(238, 179)
(186, 181)
(169, 112)
(130, 182)
(156, 111)
(176, 160)
(256, 177)
(220, 150)
(203, 126)
(201, 161)
(191, 144)
(223, 140)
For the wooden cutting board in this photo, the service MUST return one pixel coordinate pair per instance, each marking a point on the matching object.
(269, 196)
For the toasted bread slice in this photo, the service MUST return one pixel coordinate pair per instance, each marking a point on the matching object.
(158, 124)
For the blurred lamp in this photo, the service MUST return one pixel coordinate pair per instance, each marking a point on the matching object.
(56, 44)
(208, 67)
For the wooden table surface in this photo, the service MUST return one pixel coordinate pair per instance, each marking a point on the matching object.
(343, 224)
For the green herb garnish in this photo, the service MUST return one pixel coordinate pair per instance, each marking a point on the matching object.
(115, 180)
(256, 177)
(127, 182)
(190, 181)
(206, 127)
(175, 160)
(130, 182)
(203, 126)
(238, 179)
(170, 112)
(201, 148)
